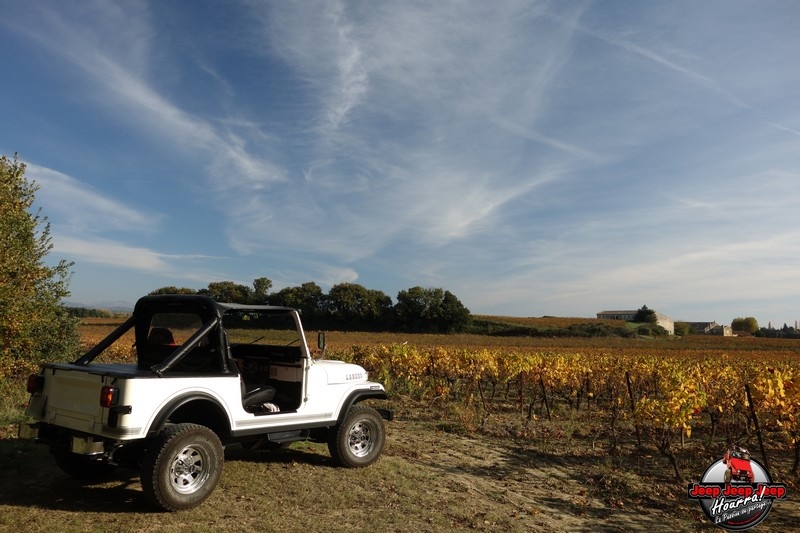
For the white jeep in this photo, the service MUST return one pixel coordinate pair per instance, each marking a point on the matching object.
(208, 374)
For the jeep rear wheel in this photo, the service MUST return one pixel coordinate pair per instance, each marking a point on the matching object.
(182, 467)
(358, 440)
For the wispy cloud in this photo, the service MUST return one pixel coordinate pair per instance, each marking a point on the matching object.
(83, 208)
(351, 74)
(111, 253)
(651, 55)
(112, 47)
(439, 90)
(693, 74)
(784, 128)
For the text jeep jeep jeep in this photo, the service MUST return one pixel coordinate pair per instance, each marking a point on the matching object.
(207, 374)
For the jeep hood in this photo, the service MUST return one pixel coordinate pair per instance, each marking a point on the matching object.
(340, 372)
(740, 464)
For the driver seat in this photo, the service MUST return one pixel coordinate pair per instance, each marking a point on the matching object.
(254, 399)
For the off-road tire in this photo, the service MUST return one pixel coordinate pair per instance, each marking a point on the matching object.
(358, 440)
(182, 466)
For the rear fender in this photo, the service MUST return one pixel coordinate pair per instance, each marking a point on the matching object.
(197, 408)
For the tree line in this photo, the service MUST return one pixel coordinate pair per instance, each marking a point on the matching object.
(348, 306)
(89, 312)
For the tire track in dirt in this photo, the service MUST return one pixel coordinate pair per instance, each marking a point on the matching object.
(542, 491)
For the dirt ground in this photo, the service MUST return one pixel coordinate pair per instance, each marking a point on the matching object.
(565, 486)
(429, 479)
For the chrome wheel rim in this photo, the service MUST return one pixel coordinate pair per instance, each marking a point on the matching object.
(189, 469)
(361, 437)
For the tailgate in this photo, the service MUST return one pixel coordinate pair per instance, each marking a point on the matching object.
(70, 399)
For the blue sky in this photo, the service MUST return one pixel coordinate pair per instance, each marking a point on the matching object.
(534, 158)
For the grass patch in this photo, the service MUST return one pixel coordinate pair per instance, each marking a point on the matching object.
(13, 399)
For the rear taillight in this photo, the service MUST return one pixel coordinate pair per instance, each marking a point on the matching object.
(109, 396)
(35, 383)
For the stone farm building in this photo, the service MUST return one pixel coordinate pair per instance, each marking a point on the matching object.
(662, 320)
(710, 328)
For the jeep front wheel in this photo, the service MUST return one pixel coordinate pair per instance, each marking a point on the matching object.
(358, 440)
(182, 467)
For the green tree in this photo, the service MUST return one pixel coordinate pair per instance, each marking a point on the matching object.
(645, 316)
(682, 328)
(261, 287)
(228, 291)
(353, 306)
(430, 309)
(454, 315)
(308, 297)
(651, 330)
(173, 290)
(34, 326)
(747, 325)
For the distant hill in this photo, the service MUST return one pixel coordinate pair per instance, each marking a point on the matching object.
(118, 306)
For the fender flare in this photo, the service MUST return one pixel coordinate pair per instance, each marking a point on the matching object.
(218, 415)
(359, 396)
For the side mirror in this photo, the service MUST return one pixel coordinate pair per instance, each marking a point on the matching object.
(321, 340)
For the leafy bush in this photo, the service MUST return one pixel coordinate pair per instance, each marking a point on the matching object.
(651, 330)
(33, 325)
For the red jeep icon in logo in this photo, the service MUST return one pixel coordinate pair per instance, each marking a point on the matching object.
(738, 461)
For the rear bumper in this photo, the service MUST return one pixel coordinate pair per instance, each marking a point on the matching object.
(46, 434)
(386, 414)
